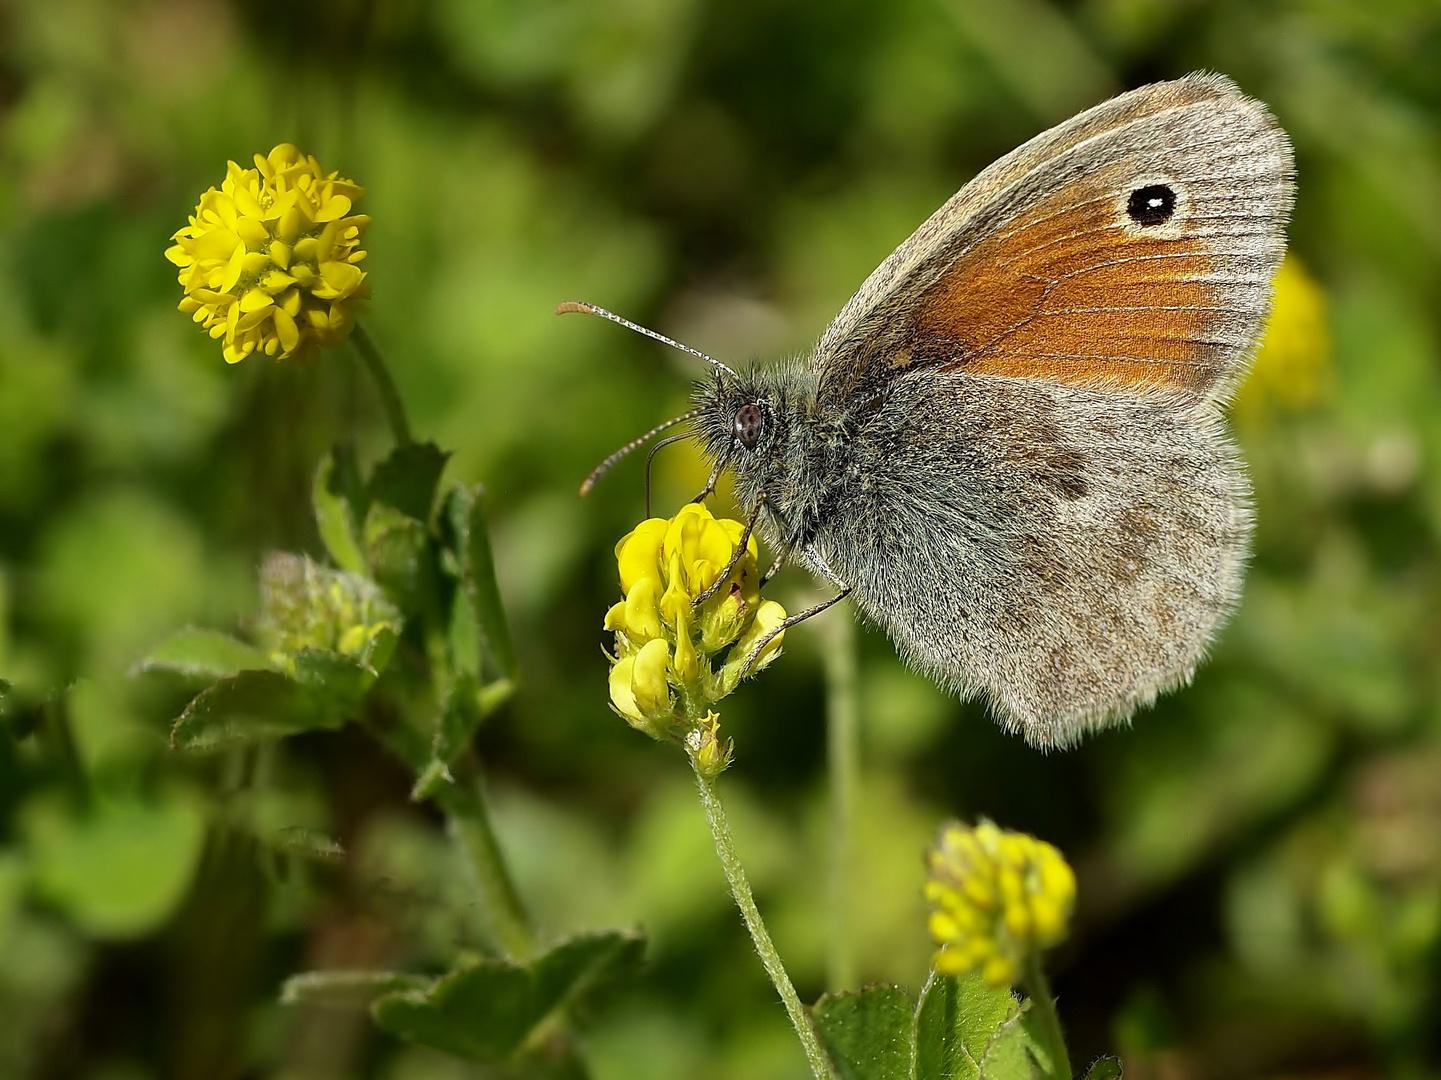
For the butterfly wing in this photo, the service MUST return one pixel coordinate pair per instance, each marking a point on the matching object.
(1065, 553)
(1043, 506)
(1132, 246)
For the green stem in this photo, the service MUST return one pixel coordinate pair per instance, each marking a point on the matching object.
(384, 384)
(740, 889)
(1043, 1006)
(468, 820)
(843, 767)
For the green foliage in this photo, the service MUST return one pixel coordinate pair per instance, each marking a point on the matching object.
(960, 1029)
(1257, 854)
(487, 1010)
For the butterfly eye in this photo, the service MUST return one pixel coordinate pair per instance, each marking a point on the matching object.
(750, 421)
(1151, 205)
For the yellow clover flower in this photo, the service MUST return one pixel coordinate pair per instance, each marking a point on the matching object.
(672, 659)
(268, 261)
(997, 899)
(304, 605)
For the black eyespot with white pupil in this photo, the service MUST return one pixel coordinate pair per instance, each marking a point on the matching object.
(750, 421)
(1151, 205)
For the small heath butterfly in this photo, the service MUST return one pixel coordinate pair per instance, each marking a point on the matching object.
(1008, 448)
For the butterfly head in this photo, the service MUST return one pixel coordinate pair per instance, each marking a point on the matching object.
(749, 421)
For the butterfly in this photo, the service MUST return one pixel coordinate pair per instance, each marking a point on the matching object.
(1009, 447)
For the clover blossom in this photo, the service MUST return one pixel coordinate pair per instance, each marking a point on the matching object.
(998, 898)
(305, 606)
(268, 261)
(673, 659)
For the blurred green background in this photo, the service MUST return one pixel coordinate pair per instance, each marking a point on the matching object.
(1259, 856)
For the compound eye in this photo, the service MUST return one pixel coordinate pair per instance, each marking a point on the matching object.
(750, 422)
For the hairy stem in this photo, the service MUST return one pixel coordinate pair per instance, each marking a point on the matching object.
(384, 384)
(468, 821)
(1043, 1006)
(843, 768)
(770, 959)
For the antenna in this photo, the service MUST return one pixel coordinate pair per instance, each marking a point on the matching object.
(609, 463)
(591, 309)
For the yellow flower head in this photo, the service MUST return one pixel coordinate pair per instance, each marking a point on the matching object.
(269, 260)
(672, 658)
(304, 605)
(997, 898)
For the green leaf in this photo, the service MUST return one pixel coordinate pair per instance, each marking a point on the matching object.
(121, 868)
(466, 707)
(249, 707)
(486, 1010)
(955, 1022)
(336, 495)
(307, 843)
(407, 479)
(397, 548)
(1017, 1051)
(466, 510)
(346, 989)
(197, 653)
(867, 1032)
(1106, 1068)
(338, 679)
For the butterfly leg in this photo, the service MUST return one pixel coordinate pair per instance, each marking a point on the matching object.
(710, 484)
(788, 622)
(736, 556)
(774, 569)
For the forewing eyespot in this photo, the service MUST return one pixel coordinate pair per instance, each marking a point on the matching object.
(1151, 205)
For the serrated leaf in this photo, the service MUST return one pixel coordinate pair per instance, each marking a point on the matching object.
(1017, 1051)
(307, 843)
(397, 551)
(486, 1010)
(1106, 1068)
(867, 1033)
(407, 479)
(250, 707)
(333, 496)
(346, 989)
(337, 678)
(198, 653)
(466, 707)
(955, 1021)
(432, 778)
(466, 509)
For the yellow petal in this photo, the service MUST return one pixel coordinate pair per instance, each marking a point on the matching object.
(642, 616)
(335, 207)
(638, 553)
(621, 695)
(234, 268)
(255, 300)
(286, 330)
(648, 679)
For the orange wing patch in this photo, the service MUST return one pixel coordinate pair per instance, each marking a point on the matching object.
(1069, 293)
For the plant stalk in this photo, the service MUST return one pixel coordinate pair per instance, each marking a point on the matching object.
(384, 384)
(468, 821)
(770, 958)
(1043, 1005)
(843, 768)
